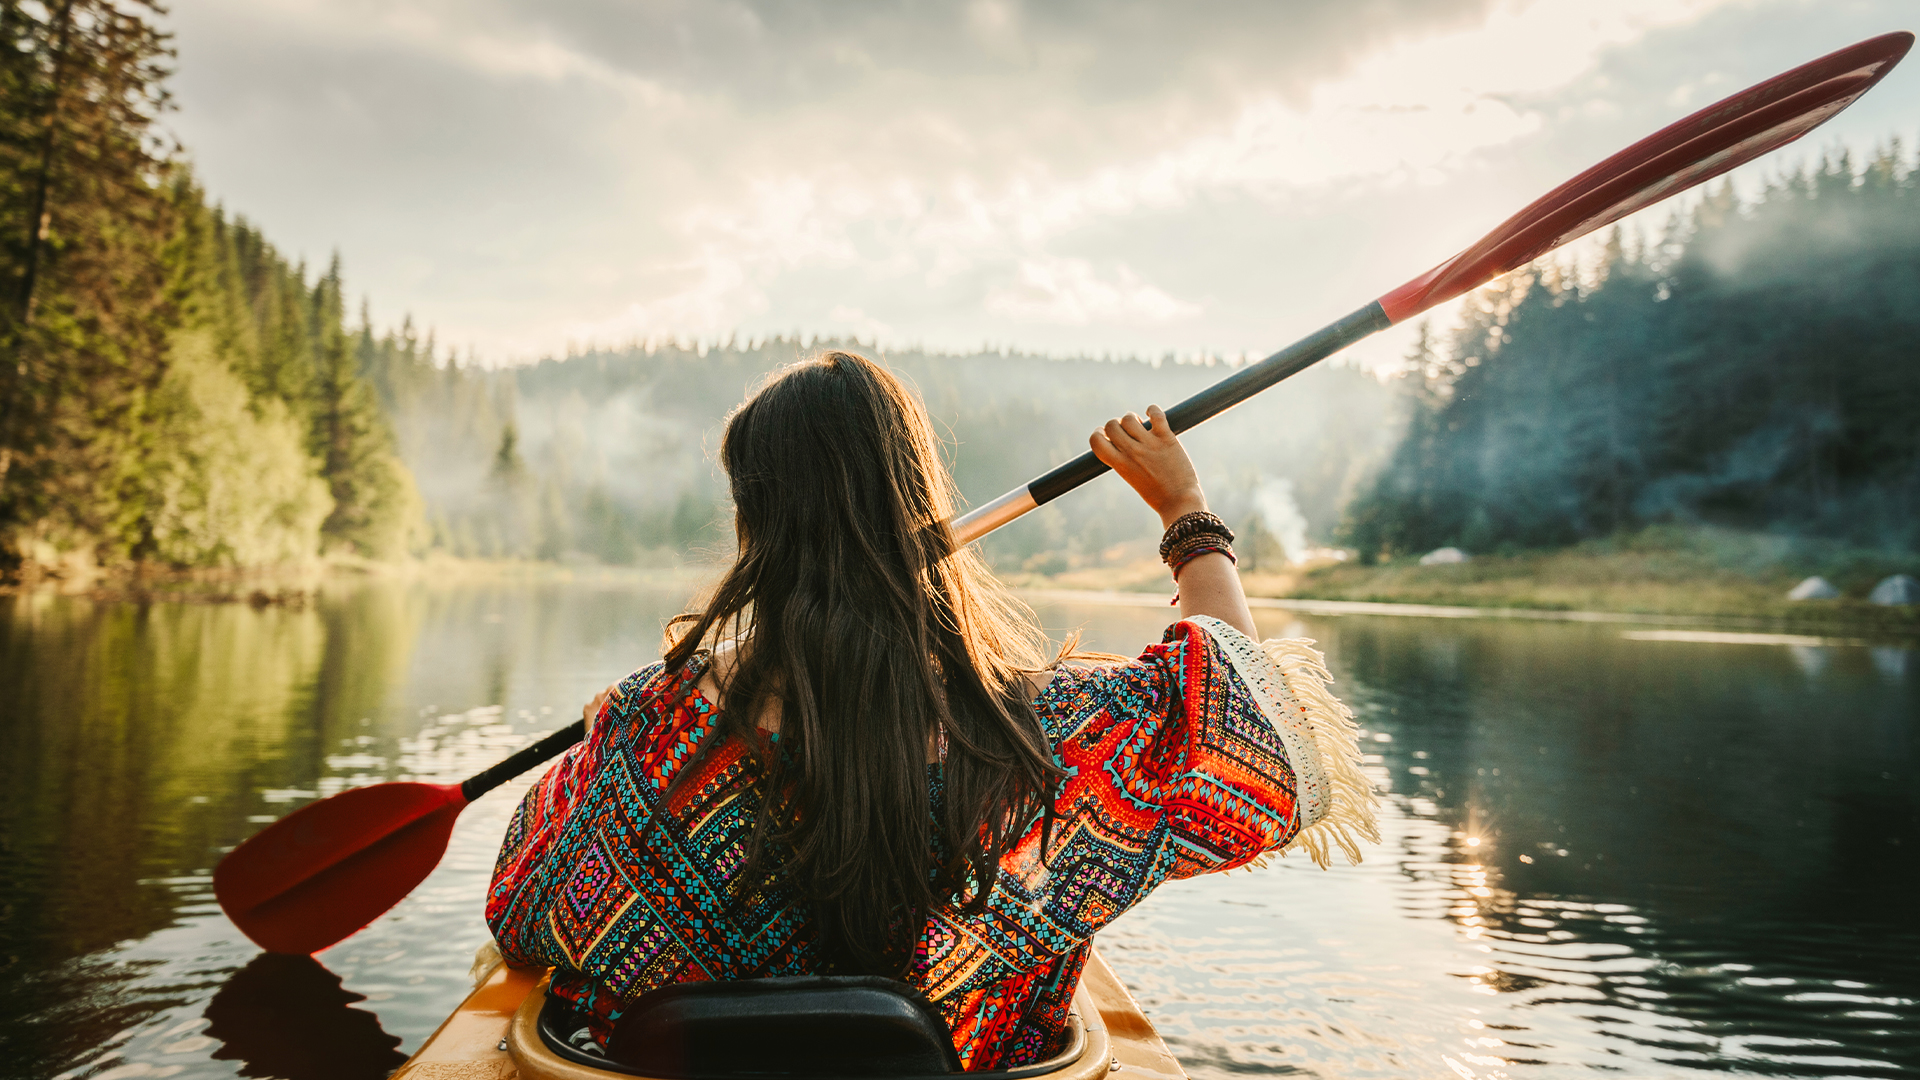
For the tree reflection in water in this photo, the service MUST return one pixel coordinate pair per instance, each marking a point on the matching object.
(1691, 858)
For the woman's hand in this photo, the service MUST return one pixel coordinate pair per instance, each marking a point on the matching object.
(1153, 462)
(591, 710)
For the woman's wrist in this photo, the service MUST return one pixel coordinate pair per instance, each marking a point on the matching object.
(1194, 502)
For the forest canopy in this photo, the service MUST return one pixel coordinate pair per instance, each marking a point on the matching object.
(1759, 368)
(174, 389)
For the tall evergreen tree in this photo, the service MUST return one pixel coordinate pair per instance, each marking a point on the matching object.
(83, 308)
(172, 389)
(1756, 370)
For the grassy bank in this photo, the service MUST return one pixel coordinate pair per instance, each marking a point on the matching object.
(1664, 571)
(296, 584)
(1701, 572)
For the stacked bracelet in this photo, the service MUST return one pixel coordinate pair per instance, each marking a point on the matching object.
(1198, 523)
(1189, 550)
(1192, 536)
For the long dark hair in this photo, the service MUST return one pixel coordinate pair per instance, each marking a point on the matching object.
(853, 611)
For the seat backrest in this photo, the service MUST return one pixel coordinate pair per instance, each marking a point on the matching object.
(804, 1028)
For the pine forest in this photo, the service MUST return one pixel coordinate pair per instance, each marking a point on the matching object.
(177, 393)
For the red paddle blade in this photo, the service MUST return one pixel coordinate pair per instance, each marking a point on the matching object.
(1719, 137)
(329, 868)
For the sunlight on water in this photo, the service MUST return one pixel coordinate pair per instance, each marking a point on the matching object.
(1652, 857)
(1642, 857)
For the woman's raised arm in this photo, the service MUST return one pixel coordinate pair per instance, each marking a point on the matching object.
(1152, 460)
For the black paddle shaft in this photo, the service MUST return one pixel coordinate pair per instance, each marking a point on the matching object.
(1228, 392)
(550, 747)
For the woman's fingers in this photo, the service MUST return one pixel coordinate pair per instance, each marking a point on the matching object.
(1103, 447)
(1122, 435)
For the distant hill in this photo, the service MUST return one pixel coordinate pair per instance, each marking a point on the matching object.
(610, 455)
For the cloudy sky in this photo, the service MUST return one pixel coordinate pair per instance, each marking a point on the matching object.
(1080, 176)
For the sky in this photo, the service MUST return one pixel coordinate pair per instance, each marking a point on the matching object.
(526, 177)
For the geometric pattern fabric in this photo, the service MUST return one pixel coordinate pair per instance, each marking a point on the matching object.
(1171, 770)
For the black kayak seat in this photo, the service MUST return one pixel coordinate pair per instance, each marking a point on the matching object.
(811, 1027)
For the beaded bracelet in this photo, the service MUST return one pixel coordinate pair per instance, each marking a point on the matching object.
(1193, 535)
(1188, 554)
(1198, 523)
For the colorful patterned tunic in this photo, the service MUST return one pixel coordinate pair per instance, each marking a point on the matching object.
(1201, 755)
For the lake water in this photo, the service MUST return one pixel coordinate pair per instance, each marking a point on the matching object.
(1604, 851)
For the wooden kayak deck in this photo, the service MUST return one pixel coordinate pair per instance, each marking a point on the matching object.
(479, 1041)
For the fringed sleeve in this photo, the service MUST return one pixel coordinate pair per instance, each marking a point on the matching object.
(1208, 752)
(1288, 679)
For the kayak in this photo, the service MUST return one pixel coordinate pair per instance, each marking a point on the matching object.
(496, 1034)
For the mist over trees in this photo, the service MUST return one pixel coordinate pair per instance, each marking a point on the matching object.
(173, 389)
(1758, 369)
(611, 456)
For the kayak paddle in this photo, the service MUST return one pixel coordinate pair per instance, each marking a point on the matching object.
(324, 871)
(312, 878)
(1719, 137)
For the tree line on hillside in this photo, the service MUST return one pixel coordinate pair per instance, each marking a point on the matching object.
(1759, 368)
(609, 456)
(177, 392)
(174, 390)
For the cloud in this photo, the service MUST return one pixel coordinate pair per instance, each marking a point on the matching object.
(522, 174)
(1069, 292)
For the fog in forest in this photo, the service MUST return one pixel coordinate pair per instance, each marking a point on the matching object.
(611, 455)
(1756, 367)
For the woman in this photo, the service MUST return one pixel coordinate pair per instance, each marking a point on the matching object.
(855, 759)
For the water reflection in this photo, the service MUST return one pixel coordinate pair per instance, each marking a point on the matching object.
(141, 742)
(1647, 856)
(1650, 857)
(288, 1016)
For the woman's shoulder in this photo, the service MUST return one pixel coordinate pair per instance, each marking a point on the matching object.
(650, 692)
(1085, 687)
(645, 683)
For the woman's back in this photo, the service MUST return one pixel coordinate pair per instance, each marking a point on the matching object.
(858, 623)
(629, 872)
(919, 812)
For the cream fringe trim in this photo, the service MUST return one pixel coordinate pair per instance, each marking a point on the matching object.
(485, 959)
(1351, 802)
(1288, 679)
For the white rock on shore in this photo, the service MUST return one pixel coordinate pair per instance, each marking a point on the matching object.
(1896, 591)
(1814, 588)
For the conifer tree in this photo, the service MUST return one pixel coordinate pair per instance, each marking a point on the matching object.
(172, 389)
(1755, 370)
(83, 309)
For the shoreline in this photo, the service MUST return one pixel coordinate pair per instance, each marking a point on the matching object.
(1660, 576)
(1310, 606)
(1686, 599)
(296, 585)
